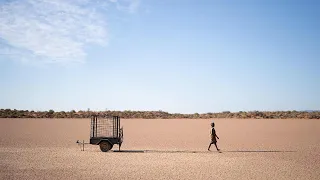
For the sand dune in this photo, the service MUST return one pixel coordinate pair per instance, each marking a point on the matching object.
(162, 149)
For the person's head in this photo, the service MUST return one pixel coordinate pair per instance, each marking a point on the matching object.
(212, 124)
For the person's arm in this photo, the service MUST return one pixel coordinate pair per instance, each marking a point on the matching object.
(217, 136)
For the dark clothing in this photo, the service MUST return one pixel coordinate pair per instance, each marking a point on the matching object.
(213, 136)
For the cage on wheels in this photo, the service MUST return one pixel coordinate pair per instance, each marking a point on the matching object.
(105, 132)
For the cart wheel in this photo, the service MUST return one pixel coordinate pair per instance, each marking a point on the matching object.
(105, 146)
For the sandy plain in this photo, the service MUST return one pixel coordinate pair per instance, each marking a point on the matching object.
(162, 149)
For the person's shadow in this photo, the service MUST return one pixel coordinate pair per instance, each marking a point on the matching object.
(258, 151)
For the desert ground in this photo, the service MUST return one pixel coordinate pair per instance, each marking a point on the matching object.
(162, 149)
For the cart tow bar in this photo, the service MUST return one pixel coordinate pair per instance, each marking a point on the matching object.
(81, 144)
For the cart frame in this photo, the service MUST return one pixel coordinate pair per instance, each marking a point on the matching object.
(105, 132)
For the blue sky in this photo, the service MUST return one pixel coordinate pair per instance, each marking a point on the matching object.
(178, 56)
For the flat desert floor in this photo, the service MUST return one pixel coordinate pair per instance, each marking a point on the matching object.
(162, 149)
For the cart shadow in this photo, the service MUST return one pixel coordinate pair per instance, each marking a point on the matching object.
(192, 152)
(156, 151)
(129, 151)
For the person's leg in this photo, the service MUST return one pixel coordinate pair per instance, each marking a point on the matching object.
(216, 147)
(209, 146)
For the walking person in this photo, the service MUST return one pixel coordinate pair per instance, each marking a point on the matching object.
(213, 137)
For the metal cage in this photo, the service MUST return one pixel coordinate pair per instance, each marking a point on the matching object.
(107, 127)
(105, 132)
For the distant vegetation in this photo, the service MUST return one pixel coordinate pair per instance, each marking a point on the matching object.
(8, 113)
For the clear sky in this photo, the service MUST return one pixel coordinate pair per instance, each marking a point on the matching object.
(178, 56)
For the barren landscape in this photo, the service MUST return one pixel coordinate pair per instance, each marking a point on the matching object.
(162, 149)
